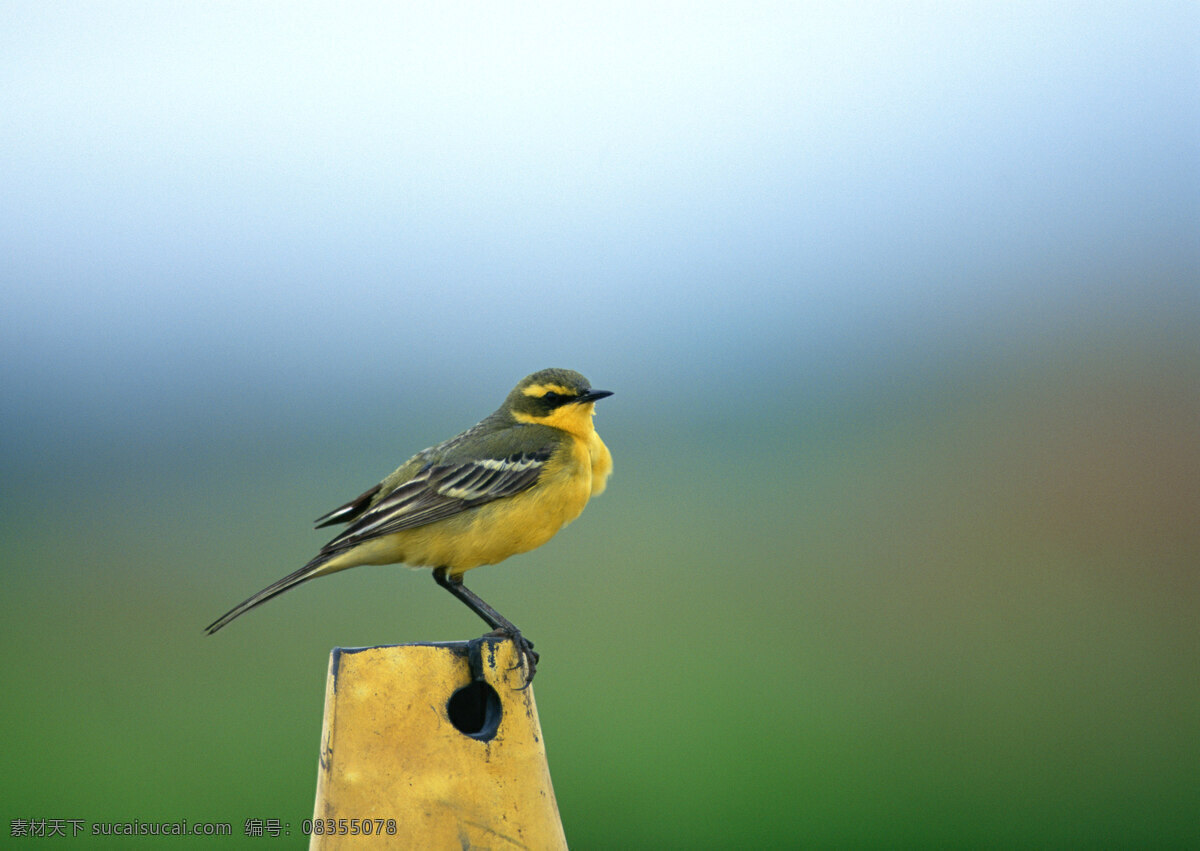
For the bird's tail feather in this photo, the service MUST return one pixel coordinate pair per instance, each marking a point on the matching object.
(316, 567)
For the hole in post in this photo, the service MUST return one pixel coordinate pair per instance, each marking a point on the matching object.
(474, 710)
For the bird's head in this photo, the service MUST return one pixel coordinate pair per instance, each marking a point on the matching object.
(561, 398)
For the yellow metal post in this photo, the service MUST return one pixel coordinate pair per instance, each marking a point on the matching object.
(432, 746)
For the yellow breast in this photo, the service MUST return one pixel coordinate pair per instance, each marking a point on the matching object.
(602, 464)
(494, 531)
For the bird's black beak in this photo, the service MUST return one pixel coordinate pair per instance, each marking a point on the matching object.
(592, 396)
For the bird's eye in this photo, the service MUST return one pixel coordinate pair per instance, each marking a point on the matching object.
(554, 399)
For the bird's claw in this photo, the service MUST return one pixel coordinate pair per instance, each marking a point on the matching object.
(528, 657)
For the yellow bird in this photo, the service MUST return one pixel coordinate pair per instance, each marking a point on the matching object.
(502, 487)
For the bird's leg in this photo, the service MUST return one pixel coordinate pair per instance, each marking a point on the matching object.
(491, 617)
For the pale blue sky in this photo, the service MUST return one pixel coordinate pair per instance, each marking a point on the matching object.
(339, 198)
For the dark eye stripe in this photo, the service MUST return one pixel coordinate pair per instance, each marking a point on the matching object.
(554, 399)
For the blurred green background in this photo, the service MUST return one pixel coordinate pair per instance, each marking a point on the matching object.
(901, 308)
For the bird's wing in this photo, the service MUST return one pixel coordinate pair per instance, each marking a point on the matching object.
(436, 492)
(346, 513)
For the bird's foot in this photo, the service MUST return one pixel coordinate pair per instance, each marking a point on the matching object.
(528, 656)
